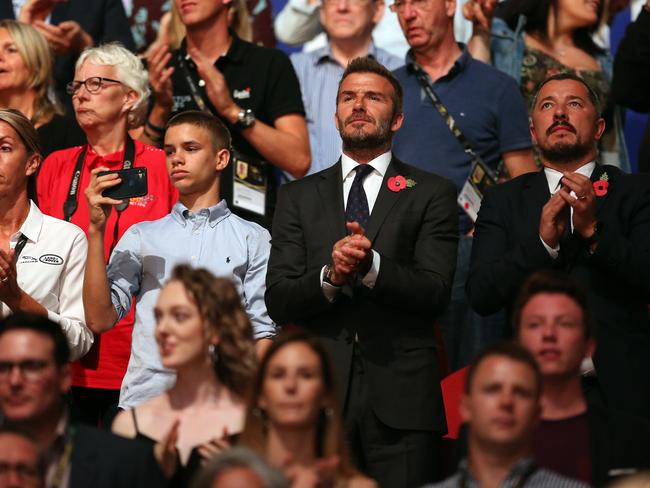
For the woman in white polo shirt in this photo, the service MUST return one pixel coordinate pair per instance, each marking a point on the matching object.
(41, 258)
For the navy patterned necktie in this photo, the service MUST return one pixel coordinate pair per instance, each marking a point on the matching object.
(357, 208)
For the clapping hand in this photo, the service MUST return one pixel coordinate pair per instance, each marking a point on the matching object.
(216, 87)
(165, 451)
(211, 448)
(9, 289)
(583, 204)
(352, 254)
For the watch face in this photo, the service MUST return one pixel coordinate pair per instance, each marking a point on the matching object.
(246, 118)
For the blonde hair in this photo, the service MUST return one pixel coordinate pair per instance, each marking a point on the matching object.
(35, 52)
(129, 71)
(220, 307)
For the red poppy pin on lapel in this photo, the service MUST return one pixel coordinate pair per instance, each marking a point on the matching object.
(601, 185)
(399, 183)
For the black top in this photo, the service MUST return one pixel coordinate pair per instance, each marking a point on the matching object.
(260, 79)
(61, 132)
(184, 473)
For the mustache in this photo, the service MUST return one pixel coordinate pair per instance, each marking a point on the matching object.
(359, 116)
(560, 123)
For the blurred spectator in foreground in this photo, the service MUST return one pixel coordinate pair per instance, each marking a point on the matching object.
(205, 337)
(349, 25)
(239, 468)
(21, 463)
(27, 85)
(632, 75)
(34, 378)
(501, 407)
(293, 417)
(109, 94)
(577, 436)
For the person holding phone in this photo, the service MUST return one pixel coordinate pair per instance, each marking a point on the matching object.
(41, 258)
(200, 231)
(109, 94)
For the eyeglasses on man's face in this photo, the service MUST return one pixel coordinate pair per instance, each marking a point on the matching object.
(92, 84)
(30, 369)
(356, 3)
(399, 5)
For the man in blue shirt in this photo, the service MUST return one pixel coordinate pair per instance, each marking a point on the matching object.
(489, 110)
(349, 25)
(200, 230)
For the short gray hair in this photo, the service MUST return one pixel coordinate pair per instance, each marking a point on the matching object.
(240, 457)
(130, 71)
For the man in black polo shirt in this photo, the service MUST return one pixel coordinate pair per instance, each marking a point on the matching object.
(254, 90)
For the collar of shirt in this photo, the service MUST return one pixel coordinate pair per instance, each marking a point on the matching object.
(54, 452)
(236, 52)
(372, 183)
(112, 160)
(217, 213)
(324, 54)
(519, 469)
(553, 176)
(31, 227)
(457, 67)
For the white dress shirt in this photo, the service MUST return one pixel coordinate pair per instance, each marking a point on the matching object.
(553, 178)
(371, 186)
(50, 269)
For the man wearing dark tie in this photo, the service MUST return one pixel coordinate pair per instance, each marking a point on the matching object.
(590, 220)
(363, 255)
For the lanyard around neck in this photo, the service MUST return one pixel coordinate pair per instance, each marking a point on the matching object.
(71, 204)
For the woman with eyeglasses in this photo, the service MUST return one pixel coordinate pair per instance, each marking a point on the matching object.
(293, 418)
(26, 84)
(204, 336)
(109, 95)
(42, 259)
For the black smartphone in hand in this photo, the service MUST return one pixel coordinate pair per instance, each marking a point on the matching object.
(134, 183)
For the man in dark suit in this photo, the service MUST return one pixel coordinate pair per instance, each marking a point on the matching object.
(592, 221)
(371, 295)
(34, 377)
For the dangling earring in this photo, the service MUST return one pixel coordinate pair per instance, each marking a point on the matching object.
(212, 351)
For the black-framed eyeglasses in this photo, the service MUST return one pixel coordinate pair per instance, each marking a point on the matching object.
(92, 84)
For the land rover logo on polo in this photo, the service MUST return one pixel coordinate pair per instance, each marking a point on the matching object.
(51, 259)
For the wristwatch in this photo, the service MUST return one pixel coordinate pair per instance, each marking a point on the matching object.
(245, 119)
(327, 274)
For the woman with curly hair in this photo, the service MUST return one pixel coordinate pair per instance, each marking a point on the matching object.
(293, 418)
(204, 335)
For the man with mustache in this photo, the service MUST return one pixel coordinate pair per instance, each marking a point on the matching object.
(590, 220)
(363, 256)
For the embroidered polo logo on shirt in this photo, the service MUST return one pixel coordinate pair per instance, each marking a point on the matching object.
(27, 260)
(51, 259)
(242, 94)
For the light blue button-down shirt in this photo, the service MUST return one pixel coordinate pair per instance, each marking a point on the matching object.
(143, 261)
(319, 75)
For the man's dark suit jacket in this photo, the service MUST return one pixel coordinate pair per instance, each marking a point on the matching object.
(507, 248)
(415, 233)
(101, 459)
(103, 20)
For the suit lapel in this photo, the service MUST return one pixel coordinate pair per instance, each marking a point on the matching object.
(330, 189)
(82, 461)
(386, 199)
